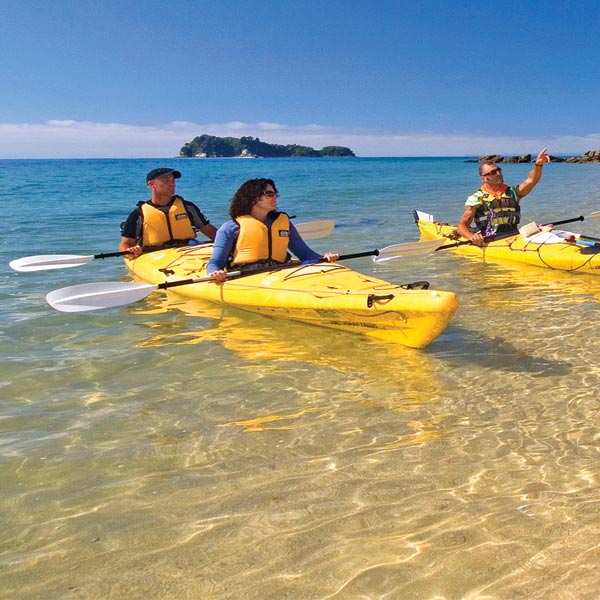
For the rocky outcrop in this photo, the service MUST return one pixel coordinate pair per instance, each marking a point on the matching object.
(524, 158)
(591, 156)
(496, 158)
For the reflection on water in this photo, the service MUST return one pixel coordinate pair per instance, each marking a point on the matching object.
(190, 450)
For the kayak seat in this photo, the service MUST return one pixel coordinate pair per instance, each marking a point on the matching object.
(416, 285)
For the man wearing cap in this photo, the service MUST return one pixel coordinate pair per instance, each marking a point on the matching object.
(165, 219)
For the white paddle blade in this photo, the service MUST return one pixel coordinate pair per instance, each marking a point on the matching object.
(423, 216)
(315, 230)
(42, 262)
(93, 296)
(529, 229)
(594, 215)
(414, 249)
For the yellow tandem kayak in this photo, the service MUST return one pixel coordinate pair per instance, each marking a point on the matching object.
(548, 249)
(324, 294)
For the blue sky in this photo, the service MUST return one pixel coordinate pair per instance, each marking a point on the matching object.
(109, 78)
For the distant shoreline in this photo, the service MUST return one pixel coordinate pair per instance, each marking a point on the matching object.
(464, 157)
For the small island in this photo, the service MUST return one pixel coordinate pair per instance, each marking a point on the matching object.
(210, 146)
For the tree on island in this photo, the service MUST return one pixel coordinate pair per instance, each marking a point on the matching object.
(213, 146)
(336, 151)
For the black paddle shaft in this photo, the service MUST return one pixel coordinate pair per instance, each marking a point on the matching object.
(492, 238)
(573, 220)
(359, 254)
(234, 274)
(111, 254)
(467, 242)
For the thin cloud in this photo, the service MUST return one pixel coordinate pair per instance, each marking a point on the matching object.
(86, 139)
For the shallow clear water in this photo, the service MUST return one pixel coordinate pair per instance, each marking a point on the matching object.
(174, 449)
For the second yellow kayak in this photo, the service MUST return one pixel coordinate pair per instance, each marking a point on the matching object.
(546, 249)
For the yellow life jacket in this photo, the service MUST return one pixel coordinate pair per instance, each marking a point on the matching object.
(159, 229)
(257, 241)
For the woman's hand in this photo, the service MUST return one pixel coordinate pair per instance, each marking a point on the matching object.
(219, 276)
(330, 257)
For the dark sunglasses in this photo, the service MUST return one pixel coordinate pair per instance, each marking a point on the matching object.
(270, 194)
(493, 172)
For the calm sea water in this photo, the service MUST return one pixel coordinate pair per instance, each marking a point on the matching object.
(172, 449)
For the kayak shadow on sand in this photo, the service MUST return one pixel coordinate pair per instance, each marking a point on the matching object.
(473, 349)
(255, 337)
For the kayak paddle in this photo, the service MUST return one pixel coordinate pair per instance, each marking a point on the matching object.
(315, 230)
(412, 249)
(43, 262)
(592, 215)
(312, 230)
(93, 296)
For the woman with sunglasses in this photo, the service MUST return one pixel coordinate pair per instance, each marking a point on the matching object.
(257, 235)
(495, 207)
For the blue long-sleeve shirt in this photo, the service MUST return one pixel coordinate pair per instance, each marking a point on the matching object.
(228, 233)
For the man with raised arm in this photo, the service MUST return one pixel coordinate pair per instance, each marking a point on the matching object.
(495, 207)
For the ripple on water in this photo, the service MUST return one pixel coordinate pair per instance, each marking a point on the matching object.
(174, 449)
